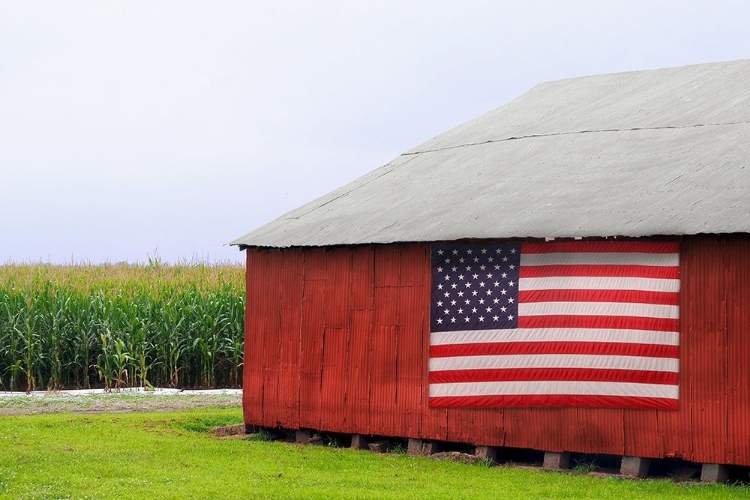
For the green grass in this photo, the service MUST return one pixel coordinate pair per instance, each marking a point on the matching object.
(170, 455)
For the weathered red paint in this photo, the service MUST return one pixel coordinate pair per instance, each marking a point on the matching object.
(337, 340)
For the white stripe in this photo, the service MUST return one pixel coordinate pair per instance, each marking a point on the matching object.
(555, 335)
(598, 309)
(599, 283)
(554, 361)
(601, 259)
(545, 387)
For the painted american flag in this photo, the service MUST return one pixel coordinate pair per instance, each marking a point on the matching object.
(590, 324)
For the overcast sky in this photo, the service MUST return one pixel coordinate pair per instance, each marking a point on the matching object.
(133, 129)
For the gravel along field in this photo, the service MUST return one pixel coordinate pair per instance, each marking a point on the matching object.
(127, 400)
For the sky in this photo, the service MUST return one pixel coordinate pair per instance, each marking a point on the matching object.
(132, 130)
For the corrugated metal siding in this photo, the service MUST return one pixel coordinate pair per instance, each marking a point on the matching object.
(337, 341)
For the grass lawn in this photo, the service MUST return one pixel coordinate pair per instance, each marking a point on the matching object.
(170, 454)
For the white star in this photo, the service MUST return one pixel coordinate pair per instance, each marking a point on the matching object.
(503, 309)
(468, 302)
(510, 300)
(440, 303)
(481, 319)
(510, 317)
(454, 269)
(447, 294)
(447, 261)
(496, 318)
(454, 285)
(489, 309)
(497, 283)
(440, 286)
(505, 259)
(474, 310)
(461, 276)
(481, 284)
(481, 301)
(476, 259)
(475, 276)
(484, 251)
(482, 267)
(495, 301)
(468, 268)
(461, 293)
(489, 292)
(447, 277)
(512, 266)
(489, 275)
(503, 291)
(461, 260)
(498, 251)
(453, 302)
(474, 293)
(440, 269)
(490, 259)
(513, 250)
(504, 275)
(468, 284)
(455, 252)
(468, 251)
(497, 267)
(460, 311)
(453, 320)
(467, 319)
(511, 283)
(446, 311)
(440, 321)
(440, 252)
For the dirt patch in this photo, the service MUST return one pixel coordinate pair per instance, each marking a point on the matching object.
(456, 456)
(229, 431)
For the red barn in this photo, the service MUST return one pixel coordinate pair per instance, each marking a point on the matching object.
(625, 201)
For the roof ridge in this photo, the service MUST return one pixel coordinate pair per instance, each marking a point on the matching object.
(585, 131)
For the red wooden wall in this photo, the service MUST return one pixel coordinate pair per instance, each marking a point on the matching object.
(337, 340)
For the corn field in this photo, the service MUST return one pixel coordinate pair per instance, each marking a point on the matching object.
(113, 326)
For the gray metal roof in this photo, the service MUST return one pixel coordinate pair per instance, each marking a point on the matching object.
(656, 152)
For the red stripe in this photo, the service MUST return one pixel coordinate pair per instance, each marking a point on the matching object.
(553, 400)
(600, 246)
(631, 296)
(557, 374)
(616, 322)
(588, 348)
(657, 272)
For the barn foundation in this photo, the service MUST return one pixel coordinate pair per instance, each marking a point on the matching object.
(486, 452)
(359, 442)
(554, 460)
(714, 473)
(634, 466)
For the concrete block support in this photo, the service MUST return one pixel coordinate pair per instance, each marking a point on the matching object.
(316, 440)
(303, 436)
(554, 460)
(359, 442)
(378, 447)
(430, 447)
(414, 447)
(486, 452)
(714, 473)
(634, 466)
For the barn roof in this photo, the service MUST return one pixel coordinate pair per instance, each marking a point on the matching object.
(655, 152)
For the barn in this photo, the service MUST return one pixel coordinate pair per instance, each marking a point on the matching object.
(603, 221)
